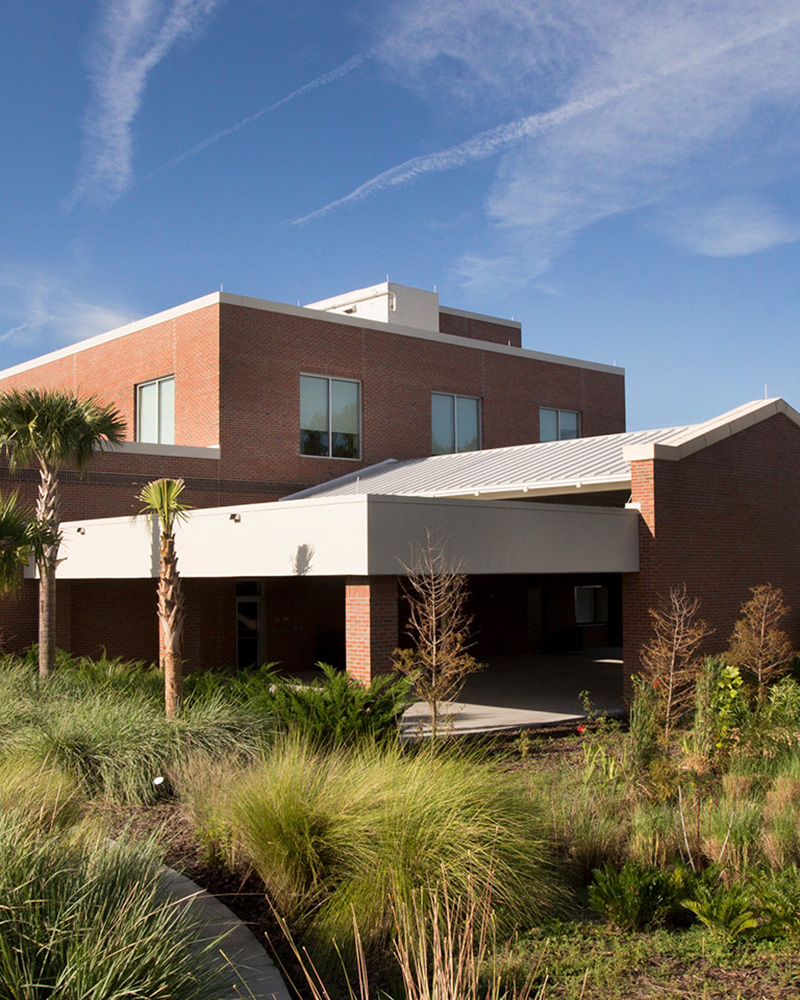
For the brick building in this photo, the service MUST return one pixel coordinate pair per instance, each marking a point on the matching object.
(372, 417)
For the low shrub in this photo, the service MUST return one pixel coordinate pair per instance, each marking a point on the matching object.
(337, 710)
(636, 897)
(728, 910)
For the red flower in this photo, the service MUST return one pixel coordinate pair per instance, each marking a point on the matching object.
(581, 728)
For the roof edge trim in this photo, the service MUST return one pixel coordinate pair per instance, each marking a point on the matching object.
(701, 436)
(121, 331)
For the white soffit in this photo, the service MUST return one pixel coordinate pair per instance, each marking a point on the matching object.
(357, 536)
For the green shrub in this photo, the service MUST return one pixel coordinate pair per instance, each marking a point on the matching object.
(338, 710)
(635, 896)
(720, 711)
(83, 922)
(727, 910)
(778, 894)
(342, 832)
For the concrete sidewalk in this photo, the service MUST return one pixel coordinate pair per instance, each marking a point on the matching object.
(253, 973)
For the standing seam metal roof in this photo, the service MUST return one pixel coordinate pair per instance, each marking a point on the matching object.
(524, 468)
(602, 463)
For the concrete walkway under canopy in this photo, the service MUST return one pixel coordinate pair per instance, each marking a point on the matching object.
(530, 691)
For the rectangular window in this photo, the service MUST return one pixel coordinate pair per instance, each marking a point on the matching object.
(155, 411)
(330, 416)
(455, 423)
(558, 425)
(591, 605)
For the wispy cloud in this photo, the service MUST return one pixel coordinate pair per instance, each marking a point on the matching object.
(132, 38)
(43, 309)
(320, 81)
(637, 106)
(731, 227)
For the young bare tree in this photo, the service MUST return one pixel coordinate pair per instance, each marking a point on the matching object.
(669, 660)
(439, 661)
(757, 646)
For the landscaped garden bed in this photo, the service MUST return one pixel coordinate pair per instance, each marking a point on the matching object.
(610, 862)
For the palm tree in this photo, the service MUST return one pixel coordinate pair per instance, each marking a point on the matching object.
(52, 428)
(162, 499)
(16, 541)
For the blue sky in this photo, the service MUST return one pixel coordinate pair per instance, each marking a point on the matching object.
(620, 176)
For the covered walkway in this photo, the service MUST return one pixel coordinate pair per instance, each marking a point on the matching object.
(531, 691)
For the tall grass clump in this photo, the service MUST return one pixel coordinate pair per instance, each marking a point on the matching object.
(338, 832)
(104, 724)
(82, 921)
(587, 807)
(39, 793)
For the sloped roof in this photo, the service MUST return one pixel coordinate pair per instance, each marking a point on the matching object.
(551, 468)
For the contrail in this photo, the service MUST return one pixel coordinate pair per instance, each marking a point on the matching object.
(320, 81)
(134, 36)
(492, 141)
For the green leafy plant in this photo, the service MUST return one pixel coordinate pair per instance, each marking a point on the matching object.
(338, 710)
(634, 897)
(730, 911)
(720, 711)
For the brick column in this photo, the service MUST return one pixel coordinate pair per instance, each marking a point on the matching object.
(638, 588)
(370, 625)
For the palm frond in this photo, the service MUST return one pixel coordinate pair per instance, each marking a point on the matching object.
(52, 427)
(16, 544)
(162, 497)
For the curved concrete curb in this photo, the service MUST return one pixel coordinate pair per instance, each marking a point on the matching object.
(253, 973)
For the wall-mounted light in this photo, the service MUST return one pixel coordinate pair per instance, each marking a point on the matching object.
(236, 518)
(81, 531)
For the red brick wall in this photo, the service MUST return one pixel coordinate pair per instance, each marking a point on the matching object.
(240, 388)
(264, 353)
(721, 521)
(371, 623)
(186, 347)
(479, 329)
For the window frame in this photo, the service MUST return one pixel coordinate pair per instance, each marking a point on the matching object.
(329, 379)
(454, 397)
(157, 382)
(559, 413)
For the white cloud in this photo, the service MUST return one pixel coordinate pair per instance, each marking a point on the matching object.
(731, 227)
(132, 38)
(44, 310)
(625, 105)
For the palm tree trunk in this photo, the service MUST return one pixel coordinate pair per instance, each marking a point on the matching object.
(48, 515)
(171, 617)
(47, 621)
